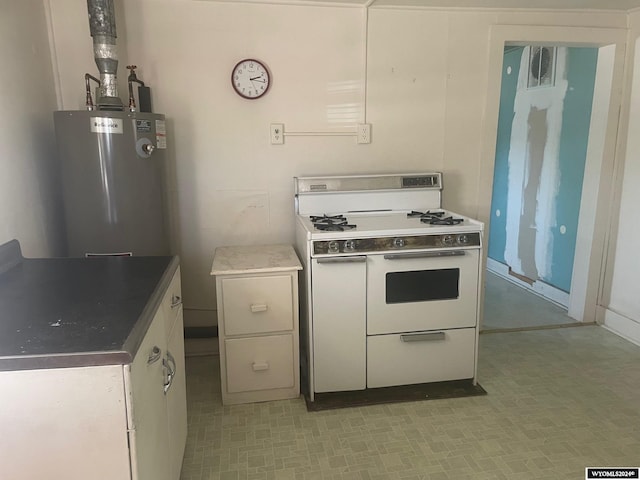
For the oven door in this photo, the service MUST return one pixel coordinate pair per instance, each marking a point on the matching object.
(409, 292)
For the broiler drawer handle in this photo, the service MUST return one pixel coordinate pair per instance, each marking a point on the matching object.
(422, 337)
(259, 307)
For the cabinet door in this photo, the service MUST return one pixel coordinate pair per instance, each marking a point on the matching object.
(339, 324)
(149, 425)
(177, 397)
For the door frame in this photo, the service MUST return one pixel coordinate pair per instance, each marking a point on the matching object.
(595, 228)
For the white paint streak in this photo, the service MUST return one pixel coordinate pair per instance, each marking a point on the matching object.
(550, 99)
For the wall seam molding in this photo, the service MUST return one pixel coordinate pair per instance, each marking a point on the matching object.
(53, 53)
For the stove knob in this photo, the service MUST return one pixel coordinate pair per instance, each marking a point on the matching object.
(398, 242)
(349, 245)
(334, 247)
(463, 239)
(448, 240)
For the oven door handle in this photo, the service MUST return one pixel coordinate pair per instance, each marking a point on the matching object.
(422, 337)
(436, 254)
(360, 259)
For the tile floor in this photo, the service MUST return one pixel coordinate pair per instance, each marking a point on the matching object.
(558, 401)
(533, 311)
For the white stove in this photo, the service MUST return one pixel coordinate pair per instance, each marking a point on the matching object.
(390, 290)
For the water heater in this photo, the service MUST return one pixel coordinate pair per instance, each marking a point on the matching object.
(113, 166)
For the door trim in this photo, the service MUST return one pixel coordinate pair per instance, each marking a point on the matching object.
(612, 149)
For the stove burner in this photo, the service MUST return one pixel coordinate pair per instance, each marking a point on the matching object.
(331, 223)
(429, 213)
(442, 221)
(435, 218)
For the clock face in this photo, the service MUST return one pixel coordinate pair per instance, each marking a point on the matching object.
(250, 79)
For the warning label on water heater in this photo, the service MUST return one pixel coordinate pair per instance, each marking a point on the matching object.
(106, 125)
(161, 134)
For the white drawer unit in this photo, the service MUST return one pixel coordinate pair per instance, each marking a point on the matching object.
(420, 357)
(257, 297)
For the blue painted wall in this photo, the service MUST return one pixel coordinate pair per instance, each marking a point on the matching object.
(581, 73)
(498, 235)
(581, 68)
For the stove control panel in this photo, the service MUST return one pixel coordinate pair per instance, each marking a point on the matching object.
(421, 181)
(383, 244)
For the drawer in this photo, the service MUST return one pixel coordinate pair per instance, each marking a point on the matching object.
(257, 304)
(172, 302)
(259, 363)
(420, 357)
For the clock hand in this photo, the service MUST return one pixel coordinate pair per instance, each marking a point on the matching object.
(257, 79)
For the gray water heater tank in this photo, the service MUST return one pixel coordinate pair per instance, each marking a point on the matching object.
(113, 167)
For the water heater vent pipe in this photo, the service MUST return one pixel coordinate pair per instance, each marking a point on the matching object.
(102, 25)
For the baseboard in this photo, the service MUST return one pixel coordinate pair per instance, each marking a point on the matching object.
(542, 289)
(622, 326)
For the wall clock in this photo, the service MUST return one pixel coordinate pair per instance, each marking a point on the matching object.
(250, 78)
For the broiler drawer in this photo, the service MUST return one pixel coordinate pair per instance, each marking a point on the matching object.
(420, 357)
(258, 304)
(260, 363)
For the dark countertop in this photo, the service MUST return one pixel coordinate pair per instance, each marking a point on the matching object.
(71, 312)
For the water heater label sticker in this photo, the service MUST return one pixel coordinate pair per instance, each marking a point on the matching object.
(143, 125)
(106, 125)
(161, 141)
(160, 127)
(161, 134)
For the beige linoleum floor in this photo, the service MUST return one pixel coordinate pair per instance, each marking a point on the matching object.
(509, 306)
(558, 401)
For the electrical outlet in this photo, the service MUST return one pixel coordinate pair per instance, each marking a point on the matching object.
(364, 132)
(277, 133)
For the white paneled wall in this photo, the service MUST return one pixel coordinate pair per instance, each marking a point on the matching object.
(422, 85)
(30, 208)
(623, 312)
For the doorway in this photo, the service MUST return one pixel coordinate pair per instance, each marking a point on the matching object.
(585, 291)
(546, 100)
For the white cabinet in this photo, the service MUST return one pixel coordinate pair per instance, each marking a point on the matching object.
(339, 324)
(158, 424)
(257, 293)
(148, 423)
(108, 422)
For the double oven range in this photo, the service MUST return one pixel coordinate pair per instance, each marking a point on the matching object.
(390, 288)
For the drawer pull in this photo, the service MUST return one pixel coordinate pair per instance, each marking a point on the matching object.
(176, 300)
(259, 307)
(260, 366)
(422, 337)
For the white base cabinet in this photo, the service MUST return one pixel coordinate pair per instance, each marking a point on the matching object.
(111, 422)
(257, 294)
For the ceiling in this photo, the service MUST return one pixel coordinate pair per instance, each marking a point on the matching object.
(610, 5)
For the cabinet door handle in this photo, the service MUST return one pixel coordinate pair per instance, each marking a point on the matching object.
(360, 259)
(260, 366)
(170, 364)
(176, 300)
(259, 307)
(422, 337)
(155, 355)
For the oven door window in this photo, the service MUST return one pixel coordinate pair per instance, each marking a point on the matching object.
(422, 285)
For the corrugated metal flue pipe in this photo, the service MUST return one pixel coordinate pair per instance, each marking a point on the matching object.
(102, 24)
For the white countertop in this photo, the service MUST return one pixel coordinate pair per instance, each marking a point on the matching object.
(254, 259)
